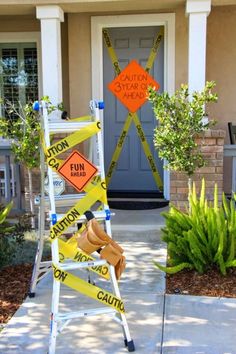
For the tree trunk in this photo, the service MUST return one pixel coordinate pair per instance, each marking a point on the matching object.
(190, 182)
(31, 199)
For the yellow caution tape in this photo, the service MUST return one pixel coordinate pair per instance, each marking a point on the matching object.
(95, 191)
(111, 51)
(154, 50)
(118, 148)
(72, 140)
(89, 290)
(81, 119)
(75, 213)
(147, 151)
(77, 255)
(133, 116)
(95, 181)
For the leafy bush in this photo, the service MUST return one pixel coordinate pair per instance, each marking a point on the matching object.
(11, 235)
(5, 244)
(180, 118)
(203, 237)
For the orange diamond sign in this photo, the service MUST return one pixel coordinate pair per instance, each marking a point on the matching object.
(131, 85)
(77, 170)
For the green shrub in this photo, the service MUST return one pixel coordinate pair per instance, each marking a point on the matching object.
(180, 119)
(6, 247)
(11, 235)
(203, 237)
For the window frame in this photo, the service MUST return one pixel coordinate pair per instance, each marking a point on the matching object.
(24, 37)
(3, 182)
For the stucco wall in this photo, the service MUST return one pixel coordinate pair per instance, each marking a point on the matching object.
(181, 47)
(19, 24)
(79, 30)
(65, 64)
(221, 67)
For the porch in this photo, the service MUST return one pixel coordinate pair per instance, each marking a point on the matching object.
(70, 59)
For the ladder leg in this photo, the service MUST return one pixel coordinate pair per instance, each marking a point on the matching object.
(38, 256)
(127, 338)
(53, 319)
(41, 229)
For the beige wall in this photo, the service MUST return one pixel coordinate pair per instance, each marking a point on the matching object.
(221, 67)
(19, 24)
(79, 63)
(65, 64)
(221, 62)
(181, 48)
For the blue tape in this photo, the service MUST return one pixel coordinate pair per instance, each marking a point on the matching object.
(36, 106)
(54, 219)
(108, 214)
(101, 105)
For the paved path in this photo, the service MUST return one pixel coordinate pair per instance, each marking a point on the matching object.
(159, 324)
(142, 288)
(199, 325)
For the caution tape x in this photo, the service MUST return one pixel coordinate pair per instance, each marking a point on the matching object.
(95, 191)
(133, 116)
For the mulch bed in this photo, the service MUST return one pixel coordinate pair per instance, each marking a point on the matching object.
(212, 283)
(14, 287)
(15, 282)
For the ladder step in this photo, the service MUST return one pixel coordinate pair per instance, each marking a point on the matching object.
(65, 200)
(88, 312)
(67, 127)
(45, 264)
(99, 215)
(71, 266)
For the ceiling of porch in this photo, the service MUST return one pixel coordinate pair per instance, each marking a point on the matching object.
(26, 7)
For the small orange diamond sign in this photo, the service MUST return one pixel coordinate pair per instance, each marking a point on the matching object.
(131, 85)
(77, 170)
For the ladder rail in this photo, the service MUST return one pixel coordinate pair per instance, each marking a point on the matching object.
(51, 203)
(54, 246)
(125, 328)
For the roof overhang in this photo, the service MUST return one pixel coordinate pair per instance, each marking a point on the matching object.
(27, 7)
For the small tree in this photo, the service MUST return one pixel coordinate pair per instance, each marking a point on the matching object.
(22, 126)
(180, 119)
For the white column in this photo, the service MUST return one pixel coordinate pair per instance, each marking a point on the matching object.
(197, 10)
(51, 18)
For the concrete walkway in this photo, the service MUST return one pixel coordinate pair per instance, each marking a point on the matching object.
(158, 323)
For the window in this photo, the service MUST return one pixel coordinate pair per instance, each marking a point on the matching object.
(3, 182)
(18, 73)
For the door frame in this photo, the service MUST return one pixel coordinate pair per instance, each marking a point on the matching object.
(164, 19)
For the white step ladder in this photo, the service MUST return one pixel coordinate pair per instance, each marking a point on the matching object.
(61, 222)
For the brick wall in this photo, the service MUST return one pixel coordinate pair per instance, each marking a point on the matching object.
(212, 146)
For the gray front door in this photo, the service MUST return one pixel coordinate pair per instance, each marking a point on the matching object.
(133, 171)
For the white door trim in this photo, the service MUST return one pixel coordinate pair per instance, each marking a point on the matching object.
(99, 22)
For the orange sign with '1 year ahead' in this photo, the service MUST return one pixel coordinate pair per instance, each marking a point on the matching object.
(131, 85)
(77, 170)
